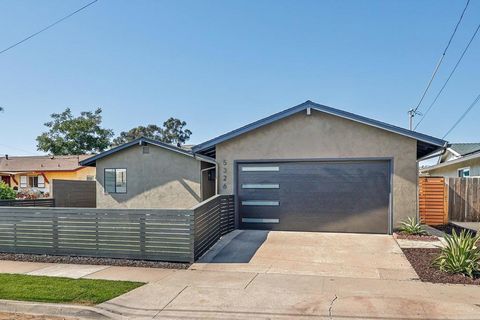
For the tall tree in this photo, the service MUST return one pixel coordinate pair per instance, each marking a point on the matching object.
(172, 132)
(151, 131)
(68, 134)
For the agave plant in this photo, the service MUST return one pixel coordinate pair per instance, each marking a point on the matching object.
(461, 254)
(412, 226)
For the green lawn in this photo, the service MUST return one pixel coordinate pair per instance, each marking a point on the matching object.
(61, 290)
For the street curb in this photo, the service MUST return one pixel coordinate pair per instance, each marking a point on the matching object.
(58, 310)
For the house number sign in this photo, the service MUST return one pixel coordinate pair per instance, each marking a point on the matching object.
(224, 174)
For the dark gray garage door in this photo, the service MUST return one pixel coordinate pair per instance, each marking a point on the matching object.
(335, 196)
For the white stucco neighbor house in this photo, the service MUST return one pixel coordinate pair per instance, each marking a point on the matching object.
(458, 160)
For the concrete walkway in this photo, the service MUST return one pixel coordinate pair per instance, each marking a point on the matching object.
(281, 276)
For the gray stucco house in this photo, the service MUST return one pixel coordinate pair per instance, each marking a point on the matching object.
(307, 168)
(146, 173)
(316, 168)
(457, 160)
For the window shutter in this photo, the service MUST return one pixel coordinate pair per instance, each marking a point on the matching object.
(23, 181)
(41, 181)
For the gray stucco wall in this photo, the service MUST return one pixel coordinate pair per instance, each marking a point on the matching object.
(158, 179)
(451, 171)
(325, 136)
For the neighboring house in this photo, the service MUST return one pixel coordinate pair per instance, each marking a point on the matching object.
(37, 172)
(316, 168)
(458, 160)
(146, 173)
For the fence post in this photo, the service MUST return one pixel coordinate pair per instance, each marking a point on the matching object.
(97, 236)
(143, 237)
(55, 234)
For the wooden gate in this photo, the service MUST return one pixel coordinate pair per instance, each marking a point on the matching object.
(433, 197)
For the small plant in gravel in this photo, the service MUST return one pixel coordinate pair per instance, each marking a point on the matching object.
(460, 255)
(412, 226)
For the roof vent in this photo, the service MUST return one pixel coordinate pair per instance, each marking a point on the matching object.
(6, 157)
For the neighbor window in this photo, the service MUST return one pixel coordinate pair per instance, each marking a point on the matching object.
(464, 172)
(36, 182)
(116, 180)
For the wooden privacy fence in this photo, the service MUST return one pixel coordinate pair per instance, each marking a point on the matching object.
(149, 234)
(47, 202)
(464, 199)
(432, 200)
(74, 193)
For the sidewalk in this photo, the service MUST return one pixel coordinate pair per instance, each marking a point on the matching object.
(245, 295)
(77, 271)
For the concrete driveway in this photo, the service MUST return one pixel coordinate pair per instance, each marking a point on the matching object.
(283, 275)
(309, 253)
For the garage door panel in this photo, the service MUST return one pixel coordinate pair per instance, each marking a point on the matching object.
(337, 196)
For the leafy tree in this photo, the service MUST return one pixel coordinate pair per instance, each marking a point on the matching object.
(6, 192)
(75, 135)
(151, 131)
(172, 132)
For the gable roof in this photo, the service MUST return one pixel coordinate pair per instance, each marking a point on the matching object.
(457, 161)
(41, 163)
(465, 148)
(143, 141)
(426, 144)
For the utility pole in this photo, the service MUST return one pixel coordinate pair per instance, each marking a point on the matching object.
(411, 114)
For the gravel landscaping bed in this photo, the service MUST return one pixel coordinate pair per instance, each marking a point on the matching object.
(407, 236)
(447, 228)
(421, 260)
(93, 261)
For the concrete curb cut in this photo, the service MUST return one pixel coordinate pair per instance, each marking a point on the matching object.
(58, 310)
(217, 247)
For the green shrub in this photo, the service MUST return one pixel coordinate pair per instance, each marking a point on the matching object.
(6, 192)
(460, 255)
(412, 226)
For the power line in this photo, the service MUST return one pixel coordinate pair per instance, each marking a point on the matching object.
(463, 115)
(448, 79)
(47, 27)
(19, 149)
(441, 59)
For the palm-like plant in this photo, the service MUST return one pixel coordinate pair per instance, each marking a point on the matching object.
(412, 226)
(461, 254)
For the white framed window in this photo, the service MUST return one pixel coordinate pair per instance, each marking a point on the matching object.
(36, 181)
(464, 172)
(115, 180)
(23, 182)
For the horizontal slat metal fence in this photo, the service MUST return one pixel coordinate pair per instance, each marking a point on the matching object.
(213, 218)
(47, 202)
(151, 234)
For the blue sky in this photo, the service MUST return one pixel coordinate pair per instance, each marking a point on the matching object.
(222, 64)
